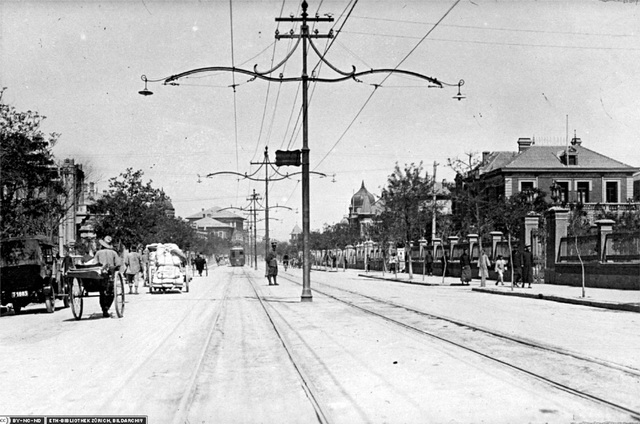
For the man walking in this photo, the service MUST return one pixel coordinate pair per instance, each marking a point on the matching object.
(272, 265)
(465, 265)
(483, 268)
(133, 266)
(199, 262)
(429, 263)
(109, 259)
(517, 267)
(527, 267)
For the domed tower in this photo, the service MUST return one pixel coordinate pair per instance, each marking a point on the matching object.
(363, 207)
(169, 210)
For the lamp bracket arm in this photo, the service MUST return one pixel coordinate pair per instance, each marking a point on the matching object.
(325, 61)
(282, 62)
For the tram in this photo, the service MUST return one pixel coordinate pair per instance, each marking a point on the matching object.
(236, 256)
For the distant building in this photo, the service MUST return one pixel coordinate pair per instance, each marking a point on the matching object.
(294, 235)
(580, 174)
(223, 224)
(363, 208)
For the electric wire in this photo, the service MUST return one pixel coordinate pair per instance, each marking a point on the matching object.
(485, 28)
(383, 80)
(235, 100)
(497, 43)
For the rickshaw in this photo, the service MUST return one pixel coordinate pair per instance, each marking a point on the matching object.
(86, 280)
(30, 274)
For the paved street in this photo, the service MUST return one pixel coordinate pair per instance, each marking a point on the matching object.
(234, 350)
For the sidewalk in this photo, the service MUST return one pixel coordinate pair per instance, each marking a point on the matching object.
(623, 300)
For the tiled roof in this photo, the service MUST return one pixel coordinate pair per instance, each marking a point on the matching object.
(215, 213)
(210, 223)
(548, 157)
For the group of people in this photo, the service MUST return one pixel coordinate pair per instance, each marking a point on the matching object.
(523, 266)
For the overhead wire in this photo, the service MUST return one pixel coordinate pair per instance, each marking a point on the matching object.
(235, 102)
(385, 79)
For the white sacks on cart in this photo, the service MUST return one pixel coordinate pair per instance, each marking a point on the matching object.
(170, 272)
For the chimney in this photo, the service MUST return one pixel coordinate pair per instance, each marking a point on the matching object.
(524, 143)
(485, 157)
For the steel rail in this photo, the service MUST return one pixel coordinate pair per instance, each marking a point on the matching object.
(633, 413)
(320, 410)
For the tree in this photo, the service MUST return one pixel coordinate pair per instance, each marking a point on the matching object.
(407, 192)
(508, 215)
(471, 203)
(31, 189)
(133, 212)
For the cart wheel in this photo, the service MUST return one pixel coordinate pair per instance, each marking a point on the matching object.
(50, 302)
(75, 295)
(118, 289)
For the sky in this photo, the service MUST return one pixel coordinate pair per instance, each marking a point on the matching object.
(530, 68)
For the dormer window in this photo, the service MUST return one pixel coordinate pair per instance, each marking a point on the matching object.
(569, 157)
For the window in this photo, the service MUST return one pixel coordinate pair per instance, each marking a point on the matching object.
(527, 185)
(573, 160)
(583, 188)
(611, 192)
(564, 191)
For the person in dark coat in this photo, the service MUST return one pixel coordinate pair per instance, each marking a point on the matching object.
(517, 268)
(428, 260)
(527, 266)
(465, 265)
(272, 266)
(199, 262)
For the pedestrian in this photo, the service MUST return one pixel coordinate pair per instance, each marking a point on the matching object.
(368, 262)
(483, 267)
(133, 267)
(428, 260)
(145, 266)
(200, 262)
(272, 265)
(527, 266)
(110, 261)
(334, 261)
(465, 265)
(285, 261)
(393, 263)
(517, 267)
(501, 267)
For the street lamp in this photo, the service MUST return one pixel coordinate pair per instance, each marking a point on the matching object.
(305, 38)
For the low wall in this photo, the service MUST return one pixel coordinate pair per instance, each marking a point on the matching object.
(622, 276)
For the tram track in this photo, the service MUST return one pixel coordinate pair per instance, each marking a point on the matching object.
(306, 382)
(550, 365)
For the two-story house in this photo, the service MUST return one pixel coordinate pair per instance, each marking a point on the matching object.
(578, 174)
(213, 221)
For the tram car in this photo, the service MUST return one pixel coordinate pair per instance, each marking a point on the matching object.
(236, 256)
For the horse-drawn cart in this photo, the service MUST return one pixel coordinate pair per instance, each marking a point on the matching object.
(88, 280)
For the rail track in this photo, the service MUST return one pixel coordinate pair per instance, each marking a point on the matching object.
(599, 381)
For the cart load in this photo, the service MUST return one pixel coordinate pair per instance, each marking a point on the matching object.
(167, 269)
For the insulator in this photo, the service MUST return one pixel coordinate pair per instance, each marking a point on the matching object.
(291, 31)
(316, 31)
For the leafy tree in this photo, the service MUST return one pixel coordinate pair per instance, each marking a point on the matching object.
(32, 194)
(407, 192)
(133, 212)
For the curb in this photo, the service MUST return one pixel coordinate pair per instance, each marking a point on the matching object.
(629, 307)
(397, 280)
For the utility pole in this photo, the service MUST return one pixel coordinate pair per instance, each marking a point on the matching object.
(306, 221)
(253, 198)
(433, 217)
